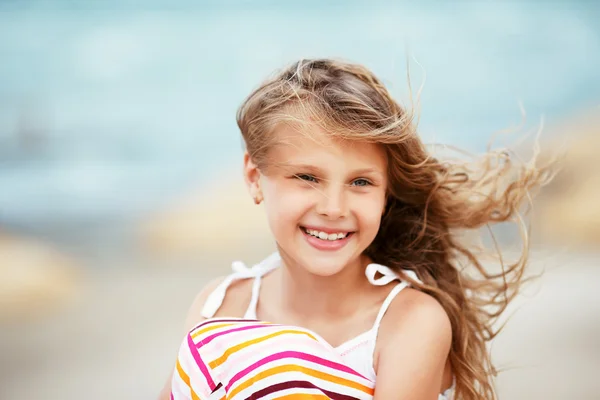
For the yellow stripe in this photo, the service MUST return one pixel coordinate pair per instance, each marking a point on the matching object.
(186, 379)
(234, 349)
(298, 368)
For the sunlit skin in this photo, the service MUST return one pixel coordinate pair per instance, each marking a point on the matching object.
(323, 185)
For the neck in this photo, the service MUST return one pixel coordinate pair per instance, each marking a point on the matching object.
(303, 293)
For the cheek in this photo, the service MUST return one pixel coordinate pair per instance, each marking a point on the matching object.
(285, 205)
(370, 213)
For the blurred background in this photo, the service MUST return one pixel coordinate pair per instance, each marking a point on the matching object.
(120, 168)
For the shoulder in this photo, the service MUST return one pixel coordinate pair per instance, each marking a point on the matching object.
(416, 317)
(236, 296)
(194, 315)
(412, 348)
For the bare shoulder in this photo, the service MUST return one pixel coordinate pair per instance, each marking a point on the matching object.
(237, 297)
(194, 315)
(412, 348)
(415, 317)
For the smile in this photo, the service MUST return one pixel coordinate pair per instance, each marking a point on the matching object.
(326, 241)
(325, 235)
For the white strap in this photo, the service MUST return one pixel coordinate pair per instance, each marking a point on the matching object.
(387, 275)
(386, 303)
(251, 310)
(240, 271)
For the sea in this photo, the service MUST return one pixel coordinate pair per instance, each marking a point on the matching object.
(111, 109)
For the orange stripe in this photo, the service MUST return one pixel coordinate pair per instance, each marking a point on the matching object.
(298, 368)
(186, 379)
(234, 349)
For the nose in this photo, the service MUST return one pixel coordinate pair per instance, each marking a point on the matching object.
(333, 203)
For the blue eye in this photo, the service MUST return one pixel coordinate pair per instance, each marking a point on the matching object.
(361, 182)
(305, 177)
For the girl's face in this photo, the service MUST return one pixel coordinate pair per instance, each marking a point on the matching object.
(324, 198)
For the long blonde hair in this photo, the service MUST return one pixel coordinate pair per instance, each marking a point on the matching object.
(430, 203)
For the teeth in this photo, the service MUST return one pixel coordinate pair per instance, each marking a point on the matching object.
(326, 236)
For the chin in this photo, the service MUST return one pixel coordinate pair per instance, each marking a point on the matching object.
(325, 269)
(324, 265)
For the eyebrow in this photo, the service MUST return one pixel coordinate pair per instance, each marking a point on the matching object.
(366, 171)
(361, 171)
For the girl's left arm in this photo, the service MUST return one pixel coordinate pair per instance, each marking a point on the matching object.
(413, 345)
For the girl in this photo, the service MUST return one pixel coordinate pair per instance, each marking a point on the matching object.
(368, 228)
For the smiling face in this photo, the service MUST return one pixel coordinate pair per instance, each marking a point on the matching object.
(324, 198)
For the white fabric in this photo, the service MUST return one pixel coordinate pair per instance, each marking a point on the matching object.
(240, 271)
(357, 352)
(387, 274)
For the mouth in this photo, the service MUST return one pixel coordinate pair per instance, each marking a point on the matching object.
(326, 240)
(326, 236)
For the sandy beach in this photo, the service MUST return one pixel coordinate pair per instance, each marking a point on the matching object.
(119, 338)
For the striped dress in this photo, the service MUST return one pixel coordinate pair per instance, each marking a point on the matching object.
(234, 359)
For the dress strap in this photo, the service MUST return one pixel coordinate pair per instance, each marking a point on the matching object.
(386, 303)
(240, 271)
(251, 310)
(387, 275)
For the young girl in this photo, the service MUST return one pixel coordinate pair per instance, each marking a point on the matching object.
(368, 227)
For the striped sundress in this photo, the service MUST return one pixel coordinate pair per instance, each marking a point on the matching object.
(234, 359)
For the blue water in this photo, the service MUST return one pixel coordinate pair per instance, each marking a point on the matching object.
(108, 109)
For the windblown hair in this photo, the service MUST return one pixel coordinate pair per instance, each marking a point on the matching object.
(430, 204)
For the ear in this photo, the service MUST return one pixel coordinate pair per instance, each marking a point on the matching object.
(252, 178)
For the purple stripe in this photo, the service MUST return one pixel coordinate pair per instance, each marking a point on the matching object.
(243, 328)
(298, 385)
(218, 321)
(291, 354)
(200, 363)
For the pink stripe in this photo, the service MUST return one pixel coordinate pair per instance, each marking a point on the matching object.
(291, 354)
(199, 362)
(172, 398)
(210, 338)
(258, 350)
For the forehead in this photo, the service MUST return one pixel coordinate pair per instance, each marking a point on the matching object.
(314, 146)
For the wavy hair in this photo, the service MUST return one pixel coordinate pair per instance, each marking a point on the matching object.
(430, 205)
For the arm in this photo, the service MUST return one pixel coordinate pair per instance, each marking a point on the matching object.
(193, 318)
(414, 342)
